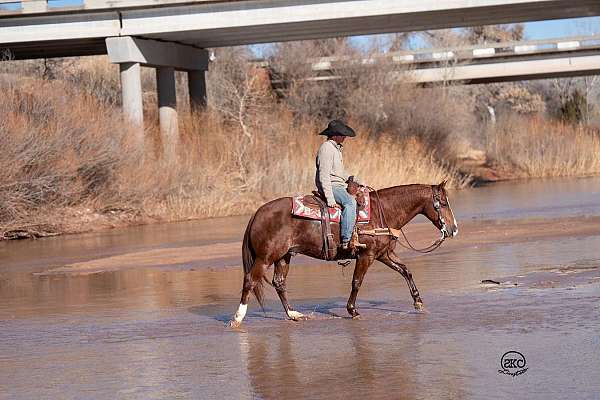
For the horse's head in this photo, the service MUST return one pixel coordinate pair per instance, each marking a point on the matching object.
(439, 212)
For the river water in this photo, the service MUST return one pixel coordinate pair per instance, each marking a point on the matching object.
(140, 313)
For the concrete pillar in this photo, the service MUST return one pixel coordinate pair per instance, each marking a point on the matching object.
(131, 53)
(131, 91)
(197, 88)
(167, 110)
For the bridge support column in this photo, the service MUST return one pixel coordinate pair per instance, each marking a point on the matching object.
(131, 95)
(167, 110)
(131, 53)
(197, 88)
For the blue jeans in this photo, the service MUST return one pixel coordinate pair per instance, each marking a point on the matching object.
(348, 203)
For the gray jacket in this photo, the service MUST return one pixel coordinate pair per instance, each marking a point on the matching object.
(330, 169)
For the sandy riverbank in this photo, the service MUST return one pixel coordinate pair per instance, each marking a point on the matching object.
(472, 233)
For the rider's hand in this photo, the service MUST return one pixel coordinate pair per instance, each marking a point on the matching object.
(332, 205)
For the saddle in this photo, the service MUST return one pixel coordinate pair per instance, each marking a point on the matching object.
(329, 244)
(315, 207)
(309, 206)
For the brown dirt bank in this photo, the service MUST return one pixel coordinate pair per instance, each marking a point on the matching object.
(221, 255)
(76, 220)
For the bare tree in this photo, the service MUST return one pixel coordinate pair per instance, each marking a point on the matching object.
(240, 93)
(494, 33)
(239, 90)
(319, 94)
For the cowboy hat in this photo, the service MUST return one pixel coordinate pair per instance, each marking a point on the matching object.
(337, 127)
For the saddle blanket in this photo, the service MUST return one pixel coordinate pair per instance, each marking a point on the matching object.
(303, 209)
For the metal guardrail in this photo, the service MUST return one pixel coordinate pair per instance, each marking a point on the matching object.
(502, 49)
(468, 53)
(330, 68)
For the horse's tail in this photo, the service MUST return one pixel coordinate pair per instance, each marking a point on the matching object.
(248, 257)
(247, 251)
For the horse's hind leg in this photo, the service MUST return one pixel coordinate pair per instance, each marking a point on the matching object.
(251, 279)
(281, 269)
(392, 261)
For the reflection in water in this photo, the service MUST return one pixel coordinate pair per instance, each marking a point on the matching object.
(354, 360)
(272, 366)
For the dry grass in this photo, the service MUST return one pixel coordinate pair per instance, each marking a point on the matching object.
(57, 152)
(533, 148)
(65, 156)
(227, 173)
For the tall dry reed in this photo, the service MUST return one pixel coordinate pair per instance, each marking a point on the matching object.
(65, 153)
(223, 172)
(58, 151)
(533, 148)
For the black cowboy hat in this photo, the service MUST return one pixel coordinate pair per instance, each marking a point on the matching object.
(337, 127)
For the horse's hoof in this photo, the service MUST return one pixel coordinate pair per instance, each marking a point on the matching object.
(420, 308)
(355, 316)
(296, 316)
(234, 324)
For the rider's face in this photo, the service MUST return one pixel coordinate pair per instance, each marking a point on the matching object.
(339, 139)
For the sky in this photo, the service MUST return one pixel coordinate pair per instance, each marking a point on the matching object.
(562, 27)
(538, 30)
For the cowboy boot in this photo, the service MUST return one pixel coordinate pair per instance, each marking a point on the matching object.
(346, 251)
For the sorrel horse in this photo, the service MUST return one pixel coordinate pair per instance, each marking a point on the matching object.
(273, 236)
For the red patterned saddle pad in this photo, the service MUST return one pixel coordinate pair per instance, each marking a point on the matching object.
(312, 211)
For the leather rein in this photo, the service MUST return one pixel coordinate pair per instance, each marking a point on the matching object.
(394, 233)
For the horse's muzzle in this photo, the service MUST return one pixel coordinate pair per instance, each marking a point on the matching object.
(448, 234)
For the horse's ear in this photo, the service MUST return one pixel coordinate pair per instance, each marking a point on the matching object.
(443, 184)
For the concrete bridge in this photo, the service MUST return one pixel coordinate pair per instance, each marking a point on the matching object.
(171, 34)
(486, 63)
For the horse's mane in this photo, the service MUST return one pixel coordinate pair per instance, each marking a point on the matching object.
(404, 189)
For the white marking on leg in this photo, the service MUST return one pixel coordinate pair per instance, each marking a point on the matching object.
(295, 314)
(240, 313)
(453, 218)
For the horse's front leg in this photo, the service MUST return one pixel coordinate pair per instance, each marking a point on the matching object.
(362, 265)
(391, 260)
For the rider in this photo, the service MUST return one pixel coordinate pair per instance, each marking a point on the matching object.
(331, 177)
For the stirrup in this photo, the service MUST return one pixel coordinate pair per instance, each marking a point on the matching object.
(355, 243)
(347, 253)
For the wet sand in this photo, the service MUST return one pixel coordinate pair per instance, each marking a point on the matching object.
(141, 313)
(471, 234)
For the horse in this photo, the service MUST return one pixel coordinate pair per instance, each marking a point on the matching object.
(274, 235)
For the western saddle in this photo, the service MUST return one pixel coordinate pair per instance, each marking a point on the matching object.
(330, 245)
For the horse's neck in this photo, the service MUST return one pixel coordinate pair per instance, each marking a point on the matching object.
(402, 205)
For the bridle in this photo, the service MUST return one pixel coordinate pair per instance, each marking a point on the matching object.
(438, 204)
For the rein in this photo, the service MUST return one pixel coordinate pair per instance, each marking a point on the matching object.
(387, 231)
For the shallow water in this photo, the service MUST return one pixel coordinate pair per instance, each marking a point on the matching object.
(157, 331)
(530, 198)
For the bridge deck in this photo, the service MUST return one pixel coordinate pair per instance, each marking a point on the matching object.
(35, 31)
